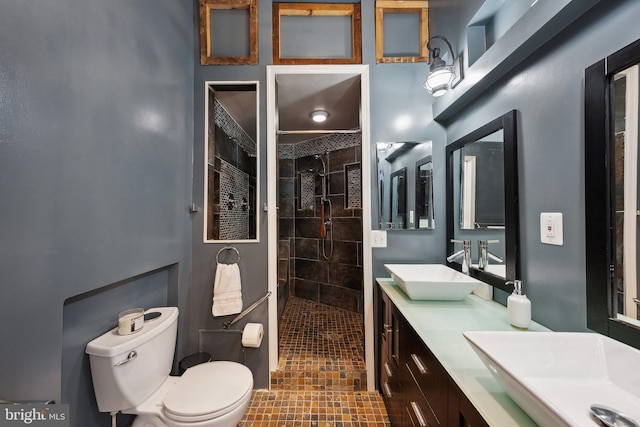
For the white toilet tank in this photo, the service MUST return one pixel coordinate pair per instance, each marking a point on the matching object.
(126, 369)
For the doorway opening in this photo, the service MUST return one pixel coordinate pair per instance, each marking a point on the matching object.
(319, 217)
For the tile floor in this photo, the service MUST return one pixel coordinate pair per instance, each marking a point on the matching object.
(315, 409)
(321, 377)
(321, 348)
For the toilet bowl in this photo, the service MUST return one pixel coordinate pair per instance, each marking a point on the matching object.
(131, 375)
(213, 394)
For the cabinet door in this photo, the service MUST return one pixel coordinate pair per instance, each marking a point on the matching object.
(392, 390)
(395, 343)
(461, 412)
(390, 324)
(391, 383)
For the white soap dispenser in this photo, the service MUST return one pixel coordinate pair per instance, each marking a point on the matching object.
(518, 307)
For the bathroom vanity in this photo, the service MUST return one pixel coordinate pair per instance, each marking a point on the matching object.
(428, 374)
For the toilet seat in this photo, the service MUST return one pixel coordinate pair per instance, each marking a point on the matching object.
(209, 390)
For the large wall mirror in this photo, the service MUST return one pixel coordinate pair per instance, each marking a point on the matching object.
(482, 200)
(405, 185)
(612, 113)
(231, 169)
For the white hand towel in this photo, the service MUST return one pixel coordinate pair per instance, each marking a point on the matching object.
(227, 290)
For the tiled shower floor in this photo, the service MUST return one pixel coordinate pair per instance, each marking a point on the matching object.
(321, 376)
(321, 336)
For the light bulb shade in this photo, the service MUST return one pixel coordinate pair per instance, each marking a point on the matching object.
(438, 80)
(441, 76)
(319, 116)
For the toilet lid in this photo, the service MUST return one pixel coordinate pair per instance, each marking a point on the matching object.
(208, 390)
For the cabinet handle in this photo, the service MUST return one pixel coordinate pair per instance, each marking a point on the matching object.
(416, 410)
(387, 390)
(419, 363)
(388, 369)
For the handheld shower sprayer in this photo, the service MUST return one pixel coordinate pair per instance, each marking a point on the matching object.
(323, 201)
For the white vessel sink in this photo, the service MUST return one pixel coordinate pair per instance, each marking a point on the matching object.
(555, 377)
(432, 281)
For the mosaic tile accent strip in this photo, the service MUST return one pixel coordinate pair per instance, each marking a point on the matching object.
(234, 222)
(353, 198)
(315, 409)
(307, 190)
(224, 120)
(287, 151)
(319, 145)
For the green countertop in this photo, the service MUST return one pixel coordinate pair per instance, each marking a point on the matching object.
(440, 325)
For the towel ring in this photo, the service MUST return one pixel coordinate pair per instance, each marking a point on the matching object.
(227, 248)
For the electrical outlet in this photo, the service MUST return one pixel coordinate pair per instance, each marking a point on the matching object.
(378, 238)
(551, 228)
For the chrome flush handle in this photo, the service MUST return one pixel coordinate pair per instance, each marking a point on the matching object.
(132, 355)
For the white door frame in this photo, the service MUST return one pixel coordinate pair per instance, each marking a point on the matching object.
(272, 217)
(630, 216)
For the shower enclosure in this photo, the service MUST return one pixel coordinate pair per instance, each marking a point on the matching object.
(321, 319)
(320, 221)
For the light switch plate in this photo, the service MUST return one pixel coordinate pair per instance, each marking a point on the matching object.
(551, 228)
(378, 238)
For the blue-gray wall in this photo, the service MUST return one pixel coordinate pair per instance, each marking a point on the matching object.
(96, 131)
(396, 90)
(102, 113)
(547, 89)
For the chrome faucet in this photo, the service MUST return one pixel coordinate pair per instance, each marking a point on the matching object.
(484, 254)
(465, 253)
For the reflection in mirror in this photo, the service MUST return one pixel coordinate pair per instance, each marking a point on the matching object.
(481, 177)
(397, 210)
(625, 188)
(398, 202)
(424, 193)
(478, 169)
(231, 168)
(612, 109)
(482, 183)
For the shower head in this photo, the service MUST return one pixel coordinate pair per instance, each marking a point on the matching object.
(321, 157)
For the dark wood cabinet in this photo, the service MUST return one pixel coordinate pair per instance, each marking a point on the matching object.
(461, 412)
(416, 388)
(390, 380)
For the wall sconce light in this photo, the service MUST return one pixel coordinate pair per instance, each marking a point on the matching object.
(319, 116)
(442, 76)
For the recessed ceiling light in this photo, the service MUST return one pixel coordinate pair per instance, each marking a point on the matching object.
(319, 116)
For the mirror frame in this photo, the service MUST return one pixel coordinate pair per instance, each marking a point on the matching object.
(231, 85)
(599, 145)
(508, 124)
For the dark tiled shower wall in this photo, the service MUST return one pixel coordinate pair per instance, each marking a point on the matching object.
(336, 281)
(222, 148)
(286, 212)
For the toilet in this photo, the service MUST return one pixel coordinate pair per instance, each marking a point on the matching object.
(131, 375)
